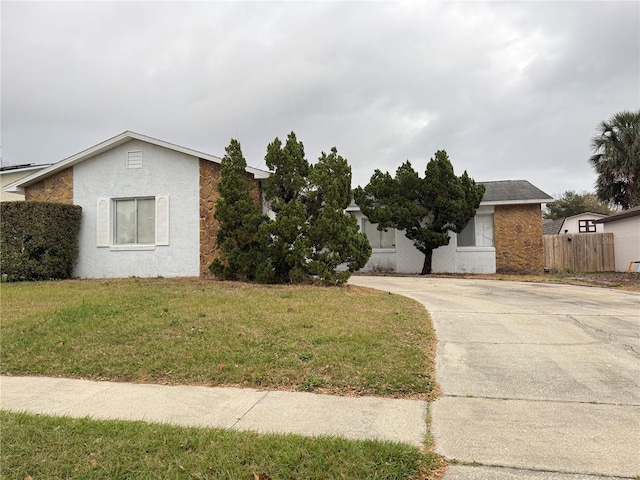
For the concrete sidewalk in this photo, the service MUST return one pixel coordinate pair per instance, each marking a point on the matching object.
(310, 414)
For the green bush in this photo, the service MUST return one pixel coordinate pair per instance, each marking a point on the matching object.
(38, 240)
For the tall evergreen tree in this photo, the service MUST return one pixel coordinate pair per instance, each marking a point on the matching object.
(240, 217)
(286, 245)
(334, 235)
(616, 159)
(425, 208)
(290, 168)
(311, 234)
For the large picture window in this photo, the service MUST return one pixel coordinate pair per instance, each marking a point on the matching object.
(377, 238)
(135, 221)
(477, 233)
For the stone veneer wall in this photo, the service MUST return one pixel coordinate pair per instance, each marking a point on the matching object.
(209, 179)
(518, 239)
(209, 194)
(58, 188)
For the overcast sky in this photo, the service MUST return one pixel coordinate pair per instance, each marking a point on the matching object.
(511, 90)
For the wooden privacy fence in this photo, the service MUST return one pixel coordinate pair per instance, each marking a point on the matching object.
(579, 252)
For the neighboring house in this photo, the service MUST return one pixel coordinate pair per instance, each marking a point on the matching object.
(505, 236)
(147, 205)
(581, 223)
(12, 173)
(625, 227)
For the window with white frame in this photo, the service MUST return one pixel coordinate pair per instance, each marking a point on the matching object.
(377, 238)
(477, 233)
(586, 226)
(137, 221)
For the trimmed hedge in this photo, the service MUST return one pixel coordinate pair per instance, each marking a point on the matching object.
(38, 240)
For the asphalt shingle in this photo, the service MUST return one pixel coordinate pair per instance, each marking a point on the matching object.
(513, 190)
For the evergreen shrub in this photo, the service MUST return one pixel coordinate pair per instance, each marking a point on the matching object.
(38, 240)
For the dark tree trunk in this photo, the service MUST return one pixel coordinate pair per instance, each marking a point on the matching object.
(426, 267)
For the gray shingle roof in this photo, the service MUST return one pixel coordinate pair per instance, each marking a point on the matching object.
(552, 228)
(515, 191)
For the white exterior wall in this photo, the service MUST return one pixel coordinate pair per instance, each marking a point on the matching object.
(444, 258)
(475, 260)
(572, 223)
(381, 260)
(626, 239)
(163, 172)
(406, 258)
(453, 259)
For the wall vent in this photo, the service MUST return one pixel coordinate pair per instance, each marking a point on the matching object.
(134, 159)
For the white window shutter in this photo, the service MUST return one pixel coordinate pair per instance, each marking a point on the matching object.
(162, 220)
(102, 222)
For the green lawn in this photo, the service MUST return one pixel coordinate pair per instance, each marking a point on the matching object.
(348, 340)
(46, 447)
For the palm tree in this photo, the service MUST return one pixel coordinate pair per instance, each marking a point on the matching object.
(616, 159)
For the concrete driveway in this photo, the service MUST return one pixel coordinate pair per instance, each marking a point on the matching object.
(538, 380)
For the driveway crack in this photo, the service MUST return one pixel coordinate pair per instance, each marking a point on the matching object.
(608, 337)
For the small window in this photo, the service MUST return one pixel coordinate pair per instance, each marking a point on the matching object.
(135, 221)
(377, 238)
(134, 159)
(132, 221)
(586, 226)
(477, 233)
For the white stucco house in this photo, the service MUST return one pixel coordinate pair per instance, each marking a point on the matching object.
(505, 236)
(625, 227)
(148, 210)
(147, 205)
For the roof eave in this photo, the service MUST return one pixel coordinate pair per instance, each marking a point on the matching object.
(593, 214)
(516, 202)
(619, 216)
(108, 145)
(13, 188)
(18, 185)
(73, 160)
(258, 174)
